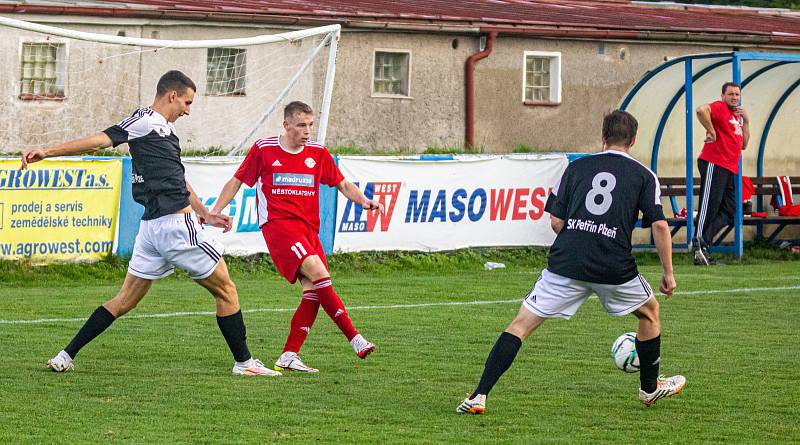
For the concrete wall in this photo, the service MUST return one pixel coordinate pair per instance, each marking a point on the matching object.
(99, 95)
(593, 84)
(106, 83)
(89, 104)
(433, 116)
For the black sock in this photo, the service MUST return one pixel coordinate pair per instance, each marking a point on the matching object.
(98, 322)
(649, 358)
(235, 333)
(498, 362)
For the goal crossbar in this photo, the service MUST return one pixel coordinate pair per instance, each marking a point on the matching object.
(176, 44)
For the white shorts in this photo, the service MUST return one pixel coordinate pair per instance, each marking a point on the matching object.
(554, 295)
(173, 240)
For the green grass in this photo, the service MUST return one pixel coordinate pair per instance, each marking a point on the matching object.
(167, 380)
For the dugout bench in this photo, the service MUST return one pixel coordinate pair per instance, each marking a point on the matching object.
(674, 187)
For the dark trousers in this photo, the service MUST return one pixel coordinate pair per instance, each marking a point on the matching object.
(717, 201)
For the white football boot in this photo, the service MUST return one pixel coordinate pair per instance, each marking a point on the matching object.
(476, 405)
(289, 361)
(665, 387)
(61, 362)
(362, 347)
(253, 367)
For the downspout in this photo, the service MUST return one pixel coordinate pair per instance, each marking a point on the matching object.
(469, 87)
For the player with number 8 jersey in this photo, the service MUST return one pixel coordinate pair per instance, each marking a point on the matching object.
(583, 197)
(287, 171)
(593, 210)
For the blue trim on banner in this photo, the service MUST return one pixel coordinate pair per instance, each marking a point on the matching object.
(447, 157)
(573, 156)
(327, 214)
(130, 212)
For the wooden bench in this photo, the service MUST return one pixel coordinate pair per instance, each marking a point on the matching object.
(765, 187)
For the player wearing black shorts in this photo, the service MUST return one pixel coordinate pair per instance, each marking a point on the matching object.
(168, 235)
(593, 209)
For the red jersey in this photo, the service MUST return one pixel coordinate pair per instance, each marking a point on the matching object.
(727, 149)
(288, 184)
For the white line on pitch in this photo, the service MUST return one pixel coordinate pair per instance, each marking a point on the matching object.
(389, 306)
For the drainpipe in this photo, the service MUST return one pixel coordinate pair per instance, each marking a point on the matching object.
(469, 81)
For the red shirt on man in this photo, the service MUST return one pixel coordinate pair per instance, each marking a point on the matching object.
(727, 149)
(288, 183)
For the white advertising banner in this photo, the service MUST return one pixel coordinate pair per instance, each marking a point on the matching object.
(470, 201)
(207, 177)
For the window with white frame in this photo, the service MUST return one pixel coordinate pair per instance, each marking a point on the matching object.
(391, 73)
(42, 71)
(541, 77)
(225, 72)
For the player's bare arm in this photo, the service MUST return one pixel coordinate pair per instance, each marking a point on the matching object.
(704, 116)
(556, 224)
(88, 144)
(206, 217)
(351, 192)
(663, 240)
(230, 190)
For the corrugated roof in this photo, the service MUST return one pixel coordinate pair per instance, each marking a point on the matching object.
(598, 16)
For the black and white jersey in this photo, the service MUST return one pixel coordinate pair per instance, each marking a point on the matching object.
(599, 198)
(158, 175)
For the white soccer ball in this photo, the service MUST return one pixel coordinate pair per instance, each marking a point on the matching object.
(623, 352)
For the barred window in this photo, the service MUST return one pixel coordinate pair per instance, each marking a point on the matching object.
(225, 72)
(391, 73)
(541, 78)
(42, 71)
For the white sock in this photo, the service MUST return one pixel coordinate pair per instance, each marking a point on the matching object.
(358, 342)
(287, 356)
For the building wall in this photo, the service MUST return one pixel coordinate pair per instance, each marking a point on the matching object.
(433, 116)
(593, 84)
(86, 107)
(106, 83)
(99, 95)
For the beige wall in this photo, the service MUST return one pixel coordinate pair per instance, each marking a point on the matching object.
(434, 114)
(99, 95)
(86, 107)
(593, 84)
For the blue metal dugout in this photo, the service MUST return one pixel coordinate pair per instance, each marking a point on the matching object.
(768, 82)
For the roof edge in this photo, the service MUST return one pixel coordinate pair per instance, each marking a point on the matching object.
(573, 31)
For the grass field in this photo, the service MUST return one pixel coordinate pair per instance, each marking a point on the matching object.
(158, 376)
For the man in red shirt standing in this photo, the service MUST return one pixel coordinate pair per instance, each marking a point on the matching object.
(727, 132)
(288, 170)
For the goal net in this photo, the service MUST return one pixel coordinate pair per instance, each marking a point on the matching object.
(59, 84)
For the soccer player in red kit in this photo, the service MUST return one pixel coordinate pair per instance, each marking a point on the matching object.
(288, 171)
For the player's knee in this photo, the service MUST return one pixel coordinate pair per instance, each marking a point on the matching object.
(650, 313)
(120, 306)
(228, 291)
(313, 268)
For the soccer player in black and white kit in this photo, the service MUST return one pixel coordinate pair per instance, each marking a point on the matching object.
(593, 209)
(168, 235)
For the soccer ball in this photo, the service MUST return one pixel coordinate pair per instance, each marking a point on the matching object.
(623, 352)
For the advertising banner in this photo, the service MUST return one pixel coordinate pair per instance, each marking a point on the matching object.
(58, 210)
(469, 201)
(207, 177)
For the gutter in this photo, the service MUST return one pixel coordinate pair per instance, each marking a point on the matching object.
(469, 87)
(419, 25)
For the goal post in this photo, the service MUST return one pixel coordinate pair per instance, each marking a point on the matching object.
(64, 83)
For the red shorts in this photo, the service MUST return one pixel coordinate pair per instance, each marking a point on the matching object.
(289, 243)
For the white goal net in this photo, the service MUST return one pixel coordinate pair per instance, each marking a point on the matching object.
(59, 84)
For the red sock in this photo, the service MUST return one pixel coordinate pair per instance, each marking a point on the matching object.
(334, 307)
(302, 321)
